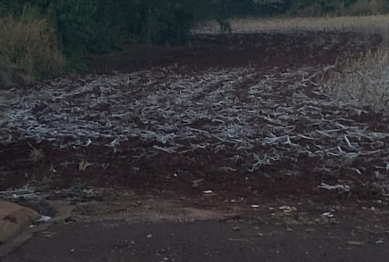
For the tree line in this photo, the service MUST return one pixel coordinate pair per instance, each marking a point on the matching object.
(99, 25)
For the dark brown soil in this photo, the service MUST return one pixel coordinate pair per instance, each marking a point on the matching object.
(261, 51)
(176, 172)
(202, 241)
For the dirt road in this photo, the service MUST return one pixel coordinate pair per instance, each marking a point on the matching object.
(201, 241)
(129, 227)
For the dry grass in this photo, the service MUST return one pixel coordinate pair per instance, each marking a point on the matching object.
(360, 82)
(366, 7)
(36, 155)
(28, 51)
(367, 24)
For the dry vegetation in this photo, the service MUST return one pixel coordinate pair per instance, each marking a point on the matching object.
(368, 7)
(28, 51)
(361, 82)
(369, 24)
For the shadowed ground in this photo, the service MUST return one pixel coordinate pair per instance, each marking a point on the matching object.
(201, 241)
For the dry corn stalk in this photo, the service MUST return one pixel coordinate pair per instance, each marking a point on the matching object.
(362, 81)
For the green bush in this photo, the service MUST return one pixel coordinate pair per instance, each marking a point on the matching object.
(100, 25)
(75, 23)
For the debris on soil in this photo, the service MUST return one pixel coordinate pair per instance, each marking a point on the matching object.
(327, 214)
(355, 243)
(44, 219)
(241, 114)
(341, 188)
(26, 192)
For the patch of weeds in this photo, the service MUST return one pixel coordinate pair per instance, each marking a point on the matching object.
(80, 186)
(28, 49)
(360, 82)
(36, 155)
(43, 181)
(47, 180)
